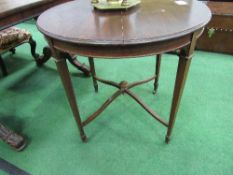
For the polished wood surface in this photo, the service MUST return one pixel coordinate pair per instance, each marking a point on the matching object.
(222, 15)
(16, 11)
(221, 8)
(144, 24)
(18, 5)
(154, 27)
(94, 30)
(222, 24)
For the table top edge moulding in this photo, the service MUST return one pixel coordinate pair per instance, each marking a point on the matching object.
(125, 20)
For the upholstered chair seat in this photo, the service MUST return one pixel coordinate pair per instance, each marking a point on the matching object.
(12, 37)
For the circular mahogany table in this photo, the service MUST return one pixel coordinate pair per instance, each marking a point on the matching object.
(152, 28)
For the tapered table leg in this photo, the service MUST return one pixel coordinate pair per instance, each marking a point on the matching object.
(63, 71)
(66, 80)
(185, 57)
(181, 76)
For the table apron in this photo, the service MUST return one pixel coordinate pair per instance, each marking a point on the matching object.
(108, 51)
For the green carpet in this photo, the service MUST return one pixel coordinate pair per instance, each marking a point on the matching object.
(124, 139)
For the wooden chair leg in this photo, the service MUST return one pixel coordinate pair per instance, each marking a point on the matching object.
(12, 50)
(157, 72)
(66, 80)
(33, 50)
(93, 73)
(3, 67)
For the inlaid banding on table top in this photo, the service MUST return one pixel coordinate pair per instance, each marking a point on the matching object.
(101, 28)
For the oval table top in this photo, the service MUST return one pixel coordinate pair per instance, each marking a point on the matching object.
(152, 21)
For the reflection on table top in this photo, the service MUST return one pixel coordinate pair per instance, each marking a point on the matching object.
(151, 21)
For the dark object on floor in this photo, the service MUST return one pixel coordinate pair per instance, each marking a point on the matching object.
(10, 39)
(218, 34)
(13, 139)
(10, 168)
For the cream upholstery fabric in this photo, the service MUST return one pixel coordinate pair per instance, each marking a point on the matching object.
(12, 36)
